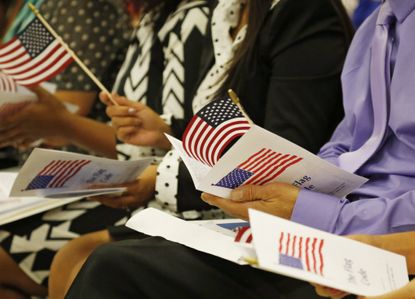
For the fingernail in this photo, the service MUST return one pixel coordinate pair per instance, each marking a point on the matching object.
(237, 194)
(131, 111)
(204, 196)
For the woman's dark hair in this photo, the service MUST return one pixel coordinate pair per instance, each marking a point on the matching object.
(258, 10)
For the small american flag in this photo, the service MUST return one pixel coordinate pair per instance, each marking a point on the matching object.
(56, 174)
(212, 129)
(304, 253)
(259, 169)
(33, 56)
(7, 83)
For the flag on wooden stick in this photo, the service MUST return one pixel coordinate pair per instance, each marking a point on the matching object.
(34, 55)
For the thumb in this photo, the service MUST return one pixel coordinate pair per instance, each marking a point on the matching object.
(38, 90)
(247, 193)
(42, 94)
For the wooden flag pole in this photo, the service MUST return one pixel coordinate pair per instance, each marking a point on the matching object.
(72, 53)
(235, 99)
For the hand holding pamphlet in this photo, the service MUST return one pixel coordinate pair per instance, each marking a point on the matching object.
(258, 157)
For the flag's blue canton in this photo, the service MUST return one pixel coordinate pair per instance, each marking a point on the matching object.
(40, 182)
(219, 111)
(290, 261)
(35, 38)
(233, 226)
(235, 178)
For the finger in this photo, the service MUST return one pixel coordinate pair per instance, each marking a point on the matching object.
(127, 134)
(118, 122)
(26, 144)
(105, 98)
(268, 191)
(12, 120)
(321, 291)
(14, 135)
(233, 208)
(123, 101)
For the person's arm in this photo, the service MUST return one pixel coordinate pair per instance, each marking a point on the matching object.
(48, 118)
(340, 216)
(406, 292)
(305, 51)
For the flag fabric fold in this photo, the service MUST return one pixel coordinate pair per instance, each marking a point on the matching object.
(33, 56)
(212, 129)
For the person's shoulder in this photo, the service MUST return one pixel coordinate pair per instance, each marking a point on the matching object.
(360, 43)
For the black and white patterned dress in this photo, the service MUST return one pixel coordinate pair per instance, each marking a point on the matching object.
(98, 31)
(162, 65)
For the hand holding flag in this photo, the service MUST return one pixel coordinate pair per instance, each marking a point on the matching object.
(38, 53)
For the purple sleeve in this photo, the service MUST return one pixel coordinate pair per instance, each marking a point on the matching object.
(368, 216)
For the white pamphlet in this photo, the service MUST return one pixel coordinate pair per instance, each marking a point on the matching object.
(285, 248)
(154, 222)
(304, 253)
(260, 157)
(52, 173)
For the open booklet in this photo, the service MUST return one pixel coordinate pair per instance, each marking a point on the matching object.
(285, 248)
(51, 173)
(13, 209)
(260, 157)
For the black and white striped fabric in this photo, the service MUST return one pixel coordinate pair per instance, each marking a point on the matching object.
(162, 52)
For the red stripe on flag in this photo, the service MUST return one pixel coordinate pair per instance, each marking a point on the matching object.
(215, 141)
(253, 158)
(7, 49)
(44, 170)
(306, 254)
(282, 170)
(288, 244)
(264, 171)
(42, 77)
(301, 248)
(24, 72)
(189, 135)
(320, 251)
(314, 255)
(74, 172)
(281, 238)
(293, 251)
(63, 171)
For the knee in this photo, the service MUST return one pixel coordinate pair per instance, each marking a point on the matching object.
(77, 250)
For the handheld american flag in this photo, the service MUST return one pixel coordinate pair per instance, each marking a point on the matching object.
(260, 168)
(212, 129)
(56, 174)
(304, 253)
(34, 55)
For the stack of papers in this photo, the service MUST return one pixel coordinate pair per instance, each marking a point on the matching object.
(288, 249)
(13, 209)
